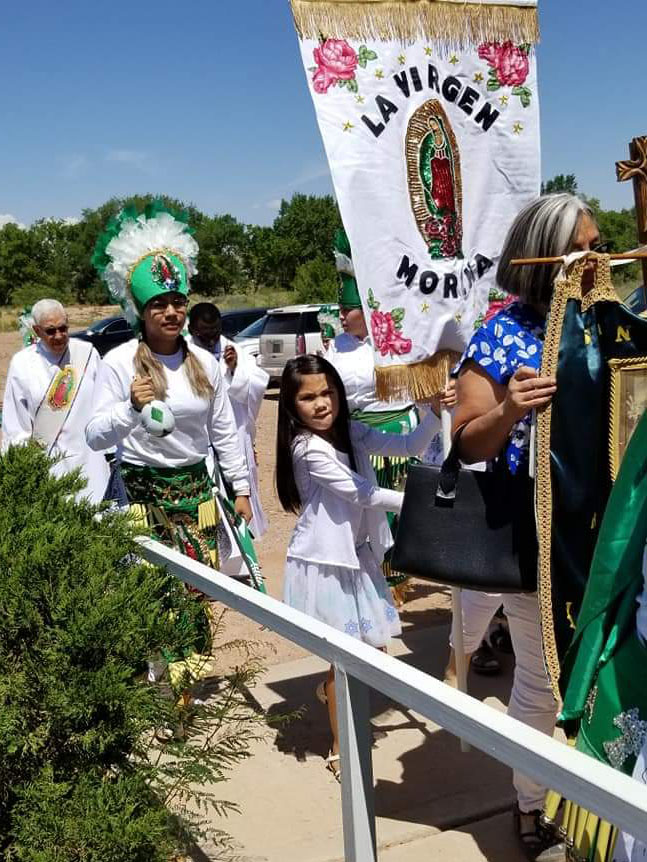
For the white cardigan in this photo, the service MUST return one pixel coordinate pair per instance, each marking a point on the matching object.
(199, 421)
(341, 509)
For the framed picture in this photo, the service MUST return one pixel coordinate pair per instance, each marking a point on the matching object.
(628, 403)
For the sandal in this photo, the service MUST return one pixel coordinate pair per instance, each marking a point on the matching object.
(540, 842)
(333, 765)
(484, 661)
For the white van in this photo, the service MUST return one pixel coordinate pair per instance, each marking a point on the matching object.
(288, 332)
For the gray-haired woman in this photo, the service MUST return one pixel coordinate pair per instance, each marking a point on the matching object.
(498, 386)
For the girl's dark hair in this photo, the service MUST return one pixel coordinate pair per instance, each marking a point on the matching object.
(289, 425)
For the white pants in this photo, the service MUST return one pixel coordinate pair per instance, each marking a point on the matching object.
(628, 849)
(531, 699)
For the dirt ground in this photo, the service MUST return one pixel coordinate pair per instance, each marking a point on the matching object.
(427, 605)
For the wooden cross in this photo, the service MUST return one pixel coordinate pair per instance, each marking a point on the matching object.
(635, 168)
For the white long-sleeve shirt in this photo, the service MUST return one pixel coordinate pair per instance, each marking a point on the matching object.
(198, 421)
(341, 509)
(246, 389)
(354, 360)
(31, 371)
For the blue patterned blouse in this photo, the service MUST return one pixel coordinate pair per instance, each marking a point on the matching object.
(513, 337)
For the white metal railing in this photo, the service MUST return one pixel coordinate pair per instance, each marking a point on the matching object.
(359, 667)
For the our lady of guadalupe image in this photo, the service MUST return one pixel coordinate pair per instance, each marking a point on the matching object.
(433, 167)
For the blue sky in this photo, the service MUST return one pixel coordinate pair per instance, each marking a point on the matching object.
(206, 100)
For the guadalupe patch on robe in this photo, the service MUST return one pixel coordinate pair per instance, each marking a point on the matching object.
(62, 388)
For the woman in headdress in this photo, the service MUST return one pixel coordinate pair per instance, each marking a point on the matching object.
(160, 400)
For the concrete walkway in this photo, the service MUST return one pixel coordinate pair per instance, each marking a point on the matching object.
(432, 801)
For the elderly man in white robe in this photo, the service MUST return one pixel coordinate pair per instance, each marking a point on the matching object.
(49, 398)
(245, 383)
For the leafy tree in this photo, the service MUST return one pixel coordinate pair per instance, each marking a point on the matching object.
(17, 261)
(82, 775)
(259, 256)
(222, 240)
(618, 229)
(560, 183)
(316, 281)
(304, 229)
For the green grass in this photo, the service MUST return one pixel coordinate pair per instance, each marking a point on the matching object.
(80, 317)
(260, 299)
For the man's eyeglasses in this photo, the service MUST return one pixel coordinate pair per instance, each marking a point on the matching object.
(52, 330)
(158, 306)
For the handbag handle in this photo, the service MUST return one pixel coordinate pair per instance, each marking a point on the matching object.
(448, 480)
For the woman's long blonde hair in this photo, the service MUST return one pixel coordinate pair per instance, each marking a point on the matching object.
(146, 364)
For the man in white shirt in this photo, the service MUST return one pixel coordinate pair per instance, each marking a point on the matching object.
(49, 397)
(245, 384)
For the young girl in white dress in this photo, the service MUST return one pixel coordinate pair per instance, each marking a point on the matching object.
(323, 474)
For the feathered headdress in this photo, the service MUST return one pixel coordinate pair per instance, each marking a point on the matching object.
(26, 327)
(328, 320)
(142, 255)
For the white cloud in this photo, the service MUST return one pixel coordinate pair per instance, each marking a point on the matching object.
(274, 204)
(75, 166)
(311, 172)
(135, 158)
(7, 218)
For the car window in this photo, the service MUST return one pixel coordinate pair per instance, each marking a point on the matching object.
(310, 322)
(117, 327)
(253, 329)
(234, 321)
(282, 324)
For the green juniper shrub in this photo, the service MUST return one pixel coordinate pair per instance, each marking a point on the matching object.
(82, 773)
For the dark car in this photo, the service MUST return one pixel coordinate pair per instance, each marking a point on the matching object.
(112, 331)
(106, 333)
(234, 322)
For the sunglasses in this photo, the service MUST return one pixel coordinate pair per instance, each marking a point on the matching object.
(52, 330)
(160, 305)
(602, 247)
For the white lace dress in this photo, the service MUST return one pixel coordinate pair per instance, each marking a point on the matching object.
(333, 570)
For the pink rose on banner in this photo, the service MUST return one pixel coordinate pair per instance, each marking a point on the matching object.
(336, 61)
(509, 67)
(386, 335)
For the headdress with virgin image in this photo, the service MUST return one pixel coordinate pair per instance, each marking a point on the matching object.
(143, 255)
(328, 320)
(348, 293)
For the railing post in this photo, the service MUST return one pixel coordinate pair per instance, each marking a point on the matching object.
(357, 795)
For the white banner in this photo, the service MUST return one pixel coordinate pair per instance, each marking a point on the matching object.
(432, 154)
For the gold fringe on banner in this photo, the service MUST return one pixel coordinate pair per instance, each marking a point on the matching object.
(454, 22)
(426, 379)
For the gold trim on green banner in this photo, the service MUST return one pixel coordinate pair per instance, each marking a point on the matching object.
(563, 290)
(457, 23)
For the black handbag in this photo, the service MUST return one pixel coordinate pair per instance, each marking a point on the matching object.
(468, 529)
